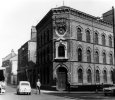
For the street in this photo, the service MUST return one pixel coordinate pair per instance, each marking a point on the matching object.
(49, 95)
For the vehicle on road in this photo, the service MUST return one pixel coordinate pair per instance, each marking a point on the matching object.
(24, 88)
(109, 90)
(2, 81)
(2, 87)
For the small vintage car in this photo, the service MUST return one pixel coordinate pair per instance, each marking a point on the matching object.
(24, 88)
(109, 90)
(2, 87)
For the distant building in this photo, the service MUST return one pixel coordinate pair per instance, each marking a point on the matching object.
(10, 64)
(27, 59)
(74, 47)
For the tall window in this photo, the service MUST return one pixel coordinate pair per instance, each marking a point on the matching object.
(104, 58)
(96, 57)
(111, 75)
(111, 59)
(96, 38)
(88, 36)
(88, 56)
(97, 76)
(103, 40)
(79, 34)
(79, 54)
(89, 76)
(61, 51)
(110, 41)
(105, 76)
(80, 76)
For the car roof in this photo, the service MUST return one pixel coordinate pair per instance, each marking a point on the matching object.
(24, 82)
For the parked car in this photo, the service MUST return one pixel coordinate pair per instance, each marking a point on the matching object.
(24, 88)
(2, 87)
(109, 90)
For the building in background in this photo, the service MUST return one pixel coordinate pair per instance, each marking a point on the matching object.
(74, 47)
(27, 60)
(10, 64)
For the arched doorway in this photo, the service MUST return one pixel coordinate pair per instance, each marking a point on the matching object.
(61, 78)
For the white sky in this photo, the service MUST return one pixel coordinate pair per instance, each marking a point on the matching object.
(17, 17)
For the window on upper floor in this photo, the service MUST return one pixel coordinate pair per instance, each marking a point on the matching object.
(79, 34)
(79, 54)
(80, 76)
(104, 58)
(97, 76)
(103, 40)
(96, 57)
(111, 59)
(61, 51)
(88, 56)
(96, 38)
(88, 38)
(110, 41)
(89, 76)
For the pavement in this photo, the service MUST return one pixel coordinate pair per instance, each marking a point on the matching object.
(70, 92)
(62, 92)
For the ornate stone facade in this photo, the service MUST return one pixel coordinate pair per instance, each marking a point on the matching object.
(82, 51)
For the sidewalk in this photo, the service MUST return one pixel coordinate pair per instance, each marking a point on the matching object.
(70, 92)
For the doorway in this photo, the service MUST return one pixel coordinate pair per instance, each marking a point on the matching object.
(61, 78)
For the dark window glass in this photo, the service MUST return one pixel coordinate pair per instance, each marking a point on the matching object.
(89, 76)
(79, 54)
(79, 34)
(80, 76)
(105, 76)
(61, 51)
(88, 56)
(97, 76)
(96, 38)
(103, 40)
(88, 36)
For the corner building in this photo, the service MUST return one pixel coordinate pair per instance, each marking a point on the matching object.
(74, 47)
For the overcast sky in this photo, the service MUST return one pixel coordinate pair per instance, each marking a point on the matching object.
(17, 17)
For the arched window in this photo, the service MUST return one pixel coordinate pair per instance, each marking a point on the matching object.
(89, 76)
(61, 51)
(111, 59)
(97, 76)
(96, 38)
(105, 76)
(104, 58)
(96, 57)
(80, 76)
(111, 75)
(79, 54)
(88, 36)
(79, 34)
(88, 56)
(110, 41)
(103, 40)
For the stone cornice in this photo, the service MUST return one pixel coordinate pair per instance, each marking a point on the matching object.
(64, 9)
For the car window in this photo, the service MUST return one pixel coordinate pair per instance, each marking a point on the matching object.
(25, 84)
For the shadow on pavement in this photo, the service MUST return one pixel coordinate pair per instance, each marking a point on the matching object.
(86, 96)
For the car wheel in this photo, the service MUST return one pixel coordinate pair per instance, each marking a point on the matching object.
(30, 93)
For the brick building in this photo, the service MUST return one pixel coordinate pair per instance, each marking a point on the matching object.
(74, 47)
(27, 60)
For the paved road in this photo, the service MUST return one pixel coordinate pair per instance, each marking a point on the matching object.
(48, 95)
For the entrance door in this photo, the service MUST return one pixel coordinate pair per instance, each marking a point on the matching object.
(62, 78)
